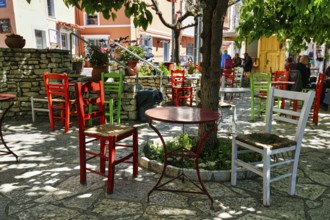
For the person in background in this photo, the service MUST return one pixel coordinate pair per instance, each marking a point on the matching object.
(225, 56)
(304, 68)
(247, 64)
(289, 64)
(237, 60)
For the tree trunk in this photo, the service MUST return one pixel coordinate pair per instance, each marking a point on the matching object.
(213, 18)
(176, 47)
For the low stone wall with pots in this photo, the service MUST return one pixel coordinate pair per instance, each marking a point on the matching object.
(21, 74)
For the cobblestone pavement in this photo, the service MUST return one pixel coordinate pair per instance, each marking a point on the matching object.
(44, 183)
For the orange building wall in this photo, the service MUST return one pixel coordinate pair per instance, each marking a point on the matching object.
(5, 13)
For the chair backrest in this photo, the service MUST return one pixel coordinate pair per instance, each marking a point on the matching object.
(281, 76)
(177, 78)
(288, 114)
(238, 75)
(57, 87)
(229, 63)
(260, 83)
(229, 75)
(113, 83)
(90, 93)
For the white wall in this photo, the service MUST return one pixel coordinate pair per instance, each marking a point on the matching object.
(35, 16)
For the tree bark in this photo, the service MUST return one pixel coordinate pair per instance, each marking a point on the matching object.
(213, 18)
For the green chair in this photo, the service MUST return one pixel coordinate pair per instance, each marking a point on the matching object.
(113, 88)
(259, 87)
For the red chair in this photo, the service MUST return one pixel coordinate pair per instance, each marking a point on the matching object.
(317, 99)
(57, 90)
(229, 75)
(229, 64)
(281, 76)
(108, 135)
(179, 90)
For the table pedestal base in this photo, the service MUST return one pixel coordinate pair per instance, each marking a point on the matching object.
(182, 152)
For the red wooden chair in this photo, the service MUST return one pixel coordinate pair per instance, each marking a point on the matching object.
(229, 75)
(317, 99)
(108, 135)
(229, 64)
(57, 90)
(179, 90)
(281, 76)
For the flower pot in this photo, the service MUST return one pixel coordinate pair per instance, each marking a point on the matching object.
(132, 64)
(87, 63)
(169, 65)
(77, 67)
(15, 42)
(96, 72)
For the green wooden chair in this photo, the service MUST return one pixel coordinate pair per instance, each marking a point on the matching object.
(113, 88)
(259, 87)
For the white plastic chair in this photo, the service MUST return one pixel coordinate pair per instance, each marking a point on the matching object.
(269, 144)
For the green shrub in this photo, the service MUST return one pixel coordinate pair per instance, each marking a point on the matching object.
(217, 160)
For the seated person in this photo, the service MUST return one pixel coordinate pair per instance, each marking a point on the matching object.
(324, 99)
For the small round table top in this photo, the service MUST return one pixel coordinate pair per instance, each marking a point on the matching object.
(5, 97)
(183, 115)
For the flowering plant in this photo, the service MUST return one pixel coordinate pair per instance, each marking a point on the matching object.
(98, 57)
(78, 59)
(191, 66)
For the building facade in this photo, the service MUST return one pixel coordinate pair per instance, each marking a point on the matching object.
(43, 24)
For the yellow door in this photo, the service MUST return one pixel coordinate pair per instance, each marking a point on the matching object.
(271, 54)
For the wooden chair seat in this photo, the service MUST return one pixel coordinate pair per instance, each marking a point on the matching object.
(106, 130)
(265, 140)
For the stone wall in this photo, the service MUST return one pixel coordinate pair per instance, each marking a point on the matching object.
(21, 74)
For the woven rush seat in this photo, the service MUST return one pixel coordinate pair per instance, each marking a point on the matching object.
(106, 130)
(265, 140)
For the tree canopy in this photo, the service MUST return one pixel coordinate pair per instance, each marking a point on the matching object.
(298, 21)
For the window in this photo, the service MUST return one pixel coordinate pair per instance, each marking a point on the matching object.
(5, 25)
(64, 41)
(50, 7)
(190, 50)
(92, 19)
(40, 39)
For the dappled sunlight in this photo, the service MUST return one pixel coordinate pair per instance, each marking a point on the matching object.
(8, 187)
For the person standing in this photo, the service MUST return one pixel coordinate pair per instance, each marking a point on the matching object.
(303, 67)
(225, 56)
(247, 65)
(237, 60)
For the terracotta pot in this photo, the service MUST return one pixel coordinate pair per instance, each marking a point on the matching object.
(15, 42)
(96, 72)
(169, 65)
(87, 63)
(132, 64)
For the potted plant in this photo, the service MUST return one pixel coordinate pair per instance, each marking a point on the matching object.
(99, 61)
(131, 59)
(15, 41)
(78, 64)
(191, 67)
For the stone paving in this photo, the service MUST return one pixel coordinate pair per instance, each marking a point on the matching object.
(44, 183)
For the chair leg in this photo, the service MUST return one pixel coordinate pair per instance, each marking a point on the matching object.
(266, 177)
(32, 109)
(51, 119)
(293, 177)
(82, 155)
(233, 163)
(103, 151)
(67, 118)
(252, 109)
(135, 152)
(111, 165)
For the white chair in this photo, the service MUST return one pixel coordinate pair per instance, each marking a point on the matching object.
(269, 144)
